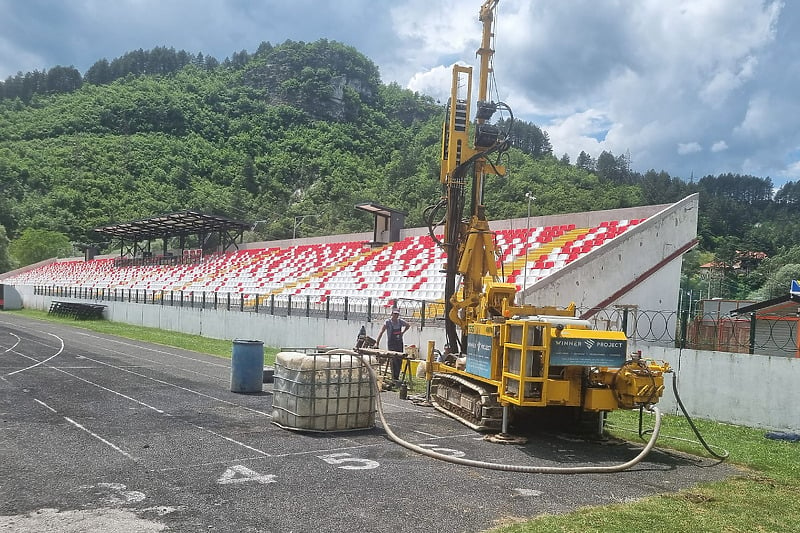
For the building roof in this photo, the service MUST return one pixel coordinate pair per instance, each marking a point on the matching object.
(783, 305)
(172, 225)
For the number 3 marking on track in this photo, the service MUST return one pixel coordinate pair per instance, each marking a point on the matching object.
(444, 451)
(341, 458)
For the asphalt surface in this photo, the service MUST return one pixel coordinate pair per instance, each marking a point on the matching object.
(101, 433)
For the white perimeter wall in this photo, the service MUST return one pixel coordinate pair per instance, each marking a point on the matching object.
(751, 390)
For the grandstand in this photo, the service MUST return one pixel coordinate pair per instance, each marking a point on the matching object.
(410, 269)
(626, 256)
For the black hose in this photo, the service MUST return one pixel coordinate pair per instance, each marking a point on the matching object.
(700, 438)
(529, 469)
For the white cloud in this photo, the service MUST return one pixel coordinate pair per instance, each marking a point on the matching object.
(619, 76)
(759, 117)
(689, 148)
(719, 146)
(578, 132)
(435, 82)
(793, 171)
(11, 56)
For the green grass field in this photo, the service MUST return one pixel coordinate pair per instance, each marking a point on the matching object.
(764, 497)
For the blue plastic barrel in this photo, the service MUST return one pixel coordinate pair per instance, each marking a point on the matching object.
(247, 366)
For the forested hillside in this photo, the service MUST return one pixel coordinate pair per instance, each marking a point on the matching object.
(309, 129)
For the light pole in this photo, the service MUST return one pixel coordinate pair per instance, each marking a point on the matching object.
(530, 198)
(298, 219)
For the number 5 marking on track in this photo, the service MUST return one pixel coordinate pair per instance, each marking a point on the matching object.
(341, 458)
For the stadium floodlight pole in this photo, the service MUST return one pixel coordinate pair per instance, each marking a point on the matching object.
(530, 198)
(298, 219)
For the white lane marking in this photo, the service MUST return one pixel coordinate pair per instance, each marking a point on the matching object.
(229, 439)
(159, 411)
(162, 382)
(185, 389)
(161, 352)
(204, 465)
(40, 402)
(61, 349)
(112, 391)
(71, 421)
(15, 344)
(101, 439)
(527, 492)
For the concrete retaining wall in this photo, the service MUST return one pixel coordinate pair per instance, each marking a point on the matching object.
(749, 390)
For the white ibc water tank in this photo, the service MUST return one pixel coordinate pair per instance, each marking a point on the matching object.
(322, 392)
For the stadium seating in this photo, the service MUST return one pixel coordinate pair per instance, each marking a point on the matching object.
(412, 268)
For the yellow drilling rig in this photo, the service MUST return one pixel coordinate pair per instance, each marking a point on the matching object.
(512, 360)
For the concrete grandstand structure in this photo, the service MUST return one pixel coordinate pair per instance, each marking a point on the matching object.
(598, 259)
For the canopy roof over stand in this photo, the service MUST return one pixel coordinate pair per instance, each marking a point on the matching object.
(135, 237)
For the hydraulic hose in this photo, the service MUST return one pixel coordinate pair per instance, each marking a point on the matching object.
(527, 469)
(724, 455)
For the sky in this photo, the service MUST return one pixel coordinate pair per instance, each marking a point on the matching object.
(692, 87)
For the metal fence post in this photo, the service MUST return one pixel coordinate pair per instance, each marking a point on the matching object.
(272, 304)
(346, 306)
(369, 309)
(422, 314)
(625, 321)
(289, 306)
(684, 329)
(308, 306)
(752, 333)
(327, 307)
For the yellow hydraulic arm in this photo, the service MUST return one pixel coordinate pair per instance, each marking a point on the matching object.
(468, 241)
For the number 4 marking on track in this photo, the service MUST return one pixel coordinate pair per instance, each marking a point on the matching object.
(242, 474)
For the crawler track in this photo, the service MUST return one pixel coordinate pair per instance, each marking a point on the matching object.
(470, 402)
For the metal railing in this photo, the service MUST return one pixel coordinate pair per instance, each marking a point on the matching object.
(661, 328)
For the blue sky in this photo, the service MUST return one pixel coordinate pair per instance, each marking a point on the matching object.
(693, 87)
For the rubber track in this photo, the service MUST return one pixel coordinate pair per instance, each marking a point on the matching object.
(483, 400)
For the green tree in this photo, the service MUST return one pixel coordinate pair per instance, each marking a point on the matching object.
(585, 162)
(39, 244)
(6, 263)
(778, 283)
